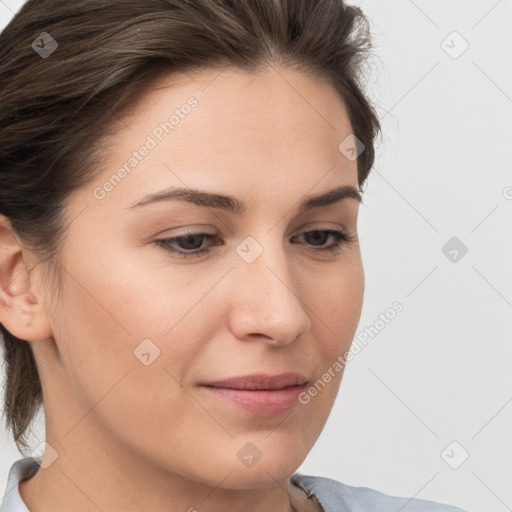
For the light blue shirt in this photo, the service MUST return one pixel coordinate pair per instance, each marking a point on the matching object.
(332, 495)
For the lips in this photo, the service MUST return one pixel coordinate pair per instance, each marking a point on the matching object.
(260, 381)
(258, 394)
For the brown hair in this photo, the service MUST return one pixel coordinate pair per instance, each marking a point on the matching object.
(57, 110)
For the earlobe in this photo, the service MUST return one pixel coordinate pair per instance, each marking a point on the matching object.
(21, 308)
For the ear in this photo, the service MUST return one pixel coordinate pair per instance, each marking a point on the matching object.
(22, 310)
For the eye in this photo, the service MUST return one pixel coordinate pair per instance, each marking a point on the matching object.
(318, 236)
(191, 244)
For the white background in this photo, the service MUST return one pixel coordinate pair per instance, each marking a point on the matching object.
(440, 371)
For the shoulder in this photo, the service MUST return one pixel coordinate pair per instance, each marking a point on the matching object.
(20, 470)
(335, 496)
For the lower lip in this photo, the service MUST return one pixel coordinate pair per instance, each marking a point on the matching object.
(260, 402)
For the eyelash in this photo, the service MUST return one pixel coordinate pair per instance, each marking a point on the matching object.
(343, 238)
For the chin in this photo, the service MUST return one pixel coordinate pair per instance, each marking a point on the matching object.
(267, 472)
(253, 478)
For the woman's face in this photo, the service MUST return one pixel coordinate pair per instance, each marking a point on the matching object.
(138, 328)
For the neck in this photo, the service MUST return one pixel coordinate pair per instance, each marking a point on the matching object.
(86, 482)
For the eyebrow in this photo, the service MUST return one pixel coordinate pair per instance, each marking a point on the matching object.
(233, 205)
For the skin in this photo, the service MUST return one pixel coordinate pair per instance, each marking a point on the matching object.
(131, 437)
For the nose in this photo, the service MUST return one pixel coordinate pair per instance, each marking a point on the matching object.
(268, 301)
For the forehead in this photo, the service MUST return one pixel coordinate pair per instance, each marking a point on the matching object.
(233, 130)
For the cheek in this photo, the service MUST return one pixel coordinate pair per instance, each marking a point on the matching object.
(337, 301)
(99, 330)
(93, 339)
(115, 318)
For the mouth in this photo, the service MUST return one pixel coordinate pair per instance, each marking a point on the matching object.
(259, 394)
(259, 381)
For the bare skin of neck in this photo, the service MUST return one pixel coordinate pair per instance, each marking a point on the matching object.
(299, 500)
